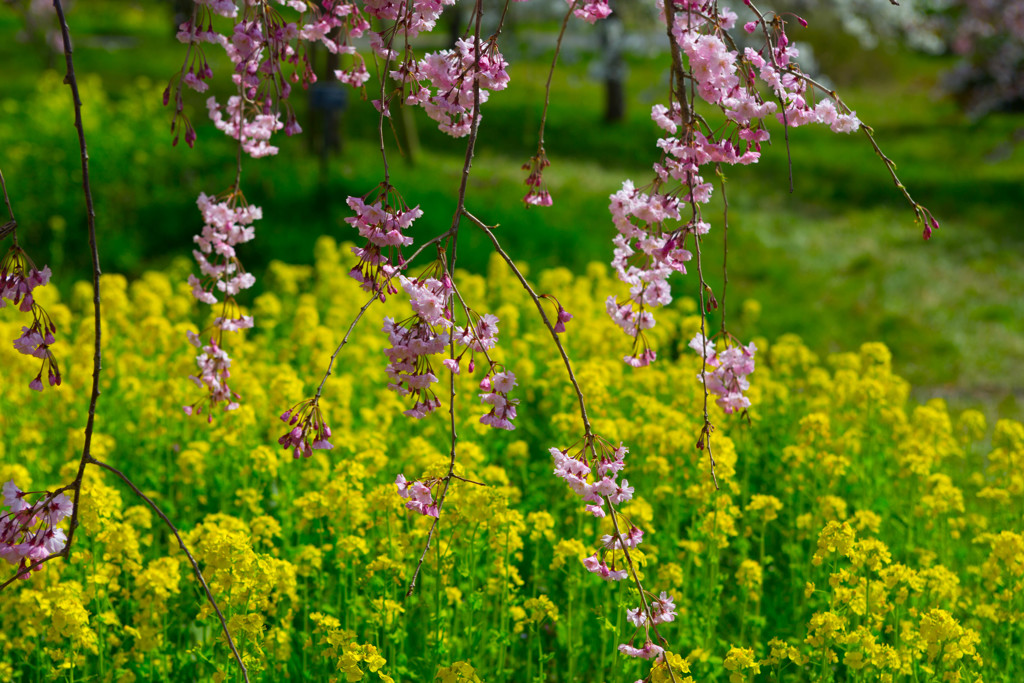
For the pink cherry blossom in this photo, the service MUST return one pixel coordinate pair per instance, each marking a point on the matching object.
(308, 429)
(418, 496)
(14, 498)
(596, 566)
(29, 532)
(18, 280)
(648, 651)
(450, 83)
(382, 223)
(591, 11)
(663, 609)
(503, 408)
(214, 371)
(728, 379)
(482, 336)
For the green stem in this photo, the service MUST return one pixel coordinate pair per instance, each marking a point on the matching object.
(760, 561)
(743, 618)
(618, 629)
(504, 614)
(540, 653)
(437, 598)
(712, 576)
(305, 621)
(571, 643)
(529, 660)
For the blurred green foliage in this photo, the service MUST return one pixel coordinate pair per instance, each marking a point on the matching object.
(837, 261)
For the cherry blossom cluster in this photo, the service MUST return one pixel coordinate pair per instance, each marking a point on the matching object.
(562, 316)
(538, 194)
(29, 532)
(496, 388)
(381, 223)
(410, 18)
(646, 253)
(263, 46)
(450, 84)
(595, 565)
(595, 488)
(308, 431)
(18, 279)
(253, 132)
(416, 339)
(578, 472)
(268, 54)
(662, 610)
(227, 222)
(258, 45)
(340, 23)
(417, 496)
(481, 335)
(728, 79)
(214, 365)
(428, 333)
(728, 379)
(654, 223)
(590, 11)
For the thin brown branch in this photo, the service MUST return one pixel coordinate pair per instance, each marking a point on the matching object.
(70, 80)
(704, 440)
(677, 86)
(344, 340)
(184, 548)
(589, 437)
(453, 233)
(11, 225)
(551, 74)
(725, 246)
(543, 316)
(434, 240)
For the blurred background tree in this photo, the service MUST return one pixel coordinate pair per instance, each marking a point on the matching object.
(987, 36)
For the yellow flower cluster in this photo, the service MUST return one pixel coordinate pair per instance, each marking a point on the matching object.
(348, 656)
(845, 535)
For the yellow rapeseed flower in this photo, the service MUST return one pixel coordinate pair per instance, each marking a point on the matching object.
(742, 663)
(836, 538)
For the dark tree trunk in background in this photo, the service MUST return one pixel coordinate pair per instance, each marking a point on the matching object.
(328, 99)
(454, 14)
(613, 67)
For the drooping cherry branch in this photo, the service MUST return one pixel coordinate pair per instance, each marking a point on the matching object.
(655, 223)
(449, 270)
(662, 610)
(36, 524)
